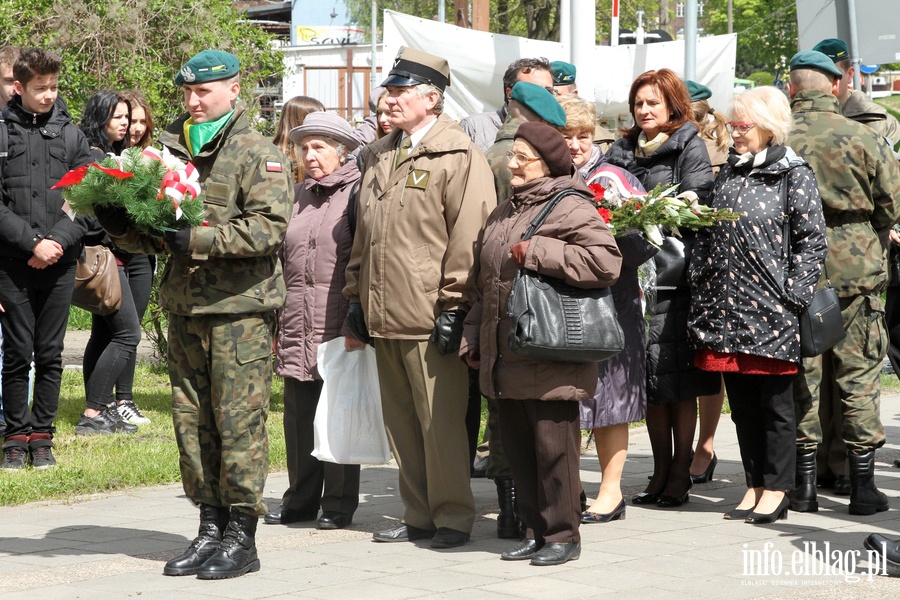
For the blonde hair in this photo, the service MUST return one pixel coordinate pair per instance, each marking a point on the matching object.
(292, 114)
(580, 113)
(712, 125)
(768, 107)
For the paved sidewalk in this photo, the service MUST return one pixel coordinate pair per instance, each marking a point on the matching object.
(114, 546)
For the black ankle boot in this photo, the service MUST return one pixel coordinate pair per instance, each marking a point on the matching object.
(803, 497)
(213, 521)
(237, 552)
(865, 498)
(507, 520)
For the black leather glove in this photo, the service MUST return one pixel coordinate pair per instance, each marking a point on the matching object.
(448, 330)
(178, 241)
(356, 323)
(114, 219)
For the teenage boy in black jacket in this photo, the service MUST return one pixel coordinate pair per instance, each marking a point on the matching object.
(39, 244)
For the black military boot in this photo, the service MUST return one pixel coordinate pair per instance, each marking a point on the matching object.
(865, 498)
(237, 553)
(213, 521)
(803, 496)
(507, 520)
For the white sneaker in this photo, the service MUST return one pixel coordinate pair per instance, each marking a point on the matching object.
(130, 413)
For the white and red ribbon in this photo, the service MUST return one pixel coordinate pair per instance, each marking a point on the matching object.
(179, 181)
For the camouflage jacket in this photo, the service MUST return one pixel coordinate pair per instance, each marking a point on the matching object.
(862, 110)
(858, 182)
(497, 159)
(233, 264)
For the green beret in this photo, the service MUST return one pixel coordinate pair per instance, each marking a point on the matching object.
(563, 73)
(539, 101)
(698, 91)
(833, 48)
(810, 59)
(209, 65)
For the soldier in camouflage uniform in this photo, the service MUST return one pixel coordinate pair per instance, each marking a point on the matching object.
(221, 287)
(858, 182)
(528, 102)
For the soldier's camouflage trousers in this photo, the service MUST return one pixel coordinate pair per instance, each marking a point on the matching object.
(221, 372)
(851, 372)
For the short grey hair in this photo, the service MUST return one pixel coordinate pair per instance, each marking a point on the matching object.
(768, 107)
(423, 89)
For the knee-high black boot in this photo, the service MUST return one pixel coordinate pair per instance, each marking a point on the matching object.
(508, 519)
(865, 498)
(237, 553)
(803, 496)
(213, 521)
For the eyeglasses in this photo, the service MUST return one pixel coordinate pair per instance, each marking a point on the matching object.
(520, 158)
(741, 128)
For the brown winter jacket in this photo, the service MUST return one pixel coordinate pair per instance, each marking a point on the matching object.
(414, 252)
(315, 253)
(573, 244)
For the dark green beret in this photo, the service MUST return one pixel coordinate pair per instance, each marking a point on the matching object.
(539, 101)
(833, 48)
(811, 59)
(698, 91)
(209, 65)
(563, 73)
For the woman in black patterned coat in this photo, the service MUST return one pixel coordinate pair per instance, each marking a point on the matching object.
(748, 287)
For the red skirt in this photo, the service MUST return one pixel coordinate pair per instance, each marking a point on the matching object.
(710, 360)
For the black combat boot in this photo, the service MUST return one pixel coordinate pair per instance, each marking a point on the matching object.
(237, 553)
(213, 521)
(507, 520)
(803, 496)
(865, 498)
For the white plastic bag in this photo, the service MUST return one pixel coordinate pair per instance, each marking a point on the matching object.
(349, 427)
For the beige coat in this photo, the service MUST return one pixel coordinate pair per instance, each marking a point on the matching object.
(414, 250)
(573, 244)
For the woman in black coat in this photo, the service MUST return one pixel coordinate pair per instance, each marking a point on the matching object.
(750, 279)
(663, 147)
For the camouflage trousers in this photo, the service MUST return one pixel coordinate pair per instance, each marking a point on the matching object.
(849, 373)
(221, 372)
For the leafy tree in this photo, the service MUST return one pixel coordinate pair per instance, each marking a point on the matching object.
(767, 33)
(762, 78)
(140, 44)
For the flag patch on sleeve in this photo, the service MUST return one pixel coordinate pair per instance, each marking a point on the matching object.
(273, 166)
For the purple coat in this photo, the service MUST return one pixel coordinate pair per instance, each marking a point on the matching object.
(315, 253)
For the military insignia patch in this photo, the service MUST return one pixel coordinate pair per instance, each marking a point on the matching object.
(188, 74)
(418, 179)
(273, 166)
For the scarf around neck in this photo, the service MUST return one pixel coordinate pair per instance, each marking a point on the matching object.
(647, 147)
(756, 160)
(198, 135)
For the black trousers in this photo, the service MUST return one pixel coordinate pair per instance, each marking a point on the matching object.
(892, 319)
(541, 439)
(306, 474)
(762, 408)
(36, 311)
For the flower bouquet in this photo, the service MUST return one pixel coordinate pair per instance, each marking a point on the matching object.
(158, 191)
(647, 212)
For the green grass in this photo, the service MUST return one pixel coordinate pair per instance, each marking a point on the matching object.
(96, 464)
(891, 103)
(79, 318)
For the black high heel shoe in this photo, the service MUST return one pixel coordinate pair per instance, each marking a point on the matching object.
(778, 514)
(666, 501)
(707, 475)
(738, 514)
(617, 514)
(645, 498)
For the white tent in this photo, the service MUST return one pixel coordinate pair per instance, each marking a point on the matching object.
(478, 59)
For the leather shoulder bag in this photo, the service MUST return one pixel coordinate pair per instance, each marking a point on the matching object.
(555, 321)
(821, 326)
(97, 287)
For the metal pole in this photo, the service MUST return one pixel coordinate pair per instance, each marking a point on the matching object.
(855, 59)
(442, 12)
(614, 26)
(639, 32)
(565, 26)
(583, 20)
(374, 43)
(730, 20)
(690, 39)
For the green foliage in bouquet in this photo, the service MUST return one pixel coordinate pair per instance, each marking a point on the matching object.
(139, 194)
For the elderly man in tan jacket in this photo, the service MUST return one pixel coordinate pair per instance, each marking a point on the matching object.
(426, 193)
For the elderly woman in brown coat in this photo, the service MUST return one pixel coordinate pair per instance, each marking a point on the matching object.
(538, 401)
(315, 253)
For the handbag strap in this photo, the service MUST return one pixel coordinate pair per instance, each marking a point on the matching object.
(548, 208)
(785, 236)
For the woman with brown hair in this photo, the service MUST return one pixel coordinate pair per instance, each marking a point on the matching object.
(140, 132)
(292, 114)
(664, 147)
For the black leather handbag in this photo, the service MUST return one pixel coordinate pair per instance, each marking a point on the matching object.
(821, 326)
(555, 321)
(672, 261)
